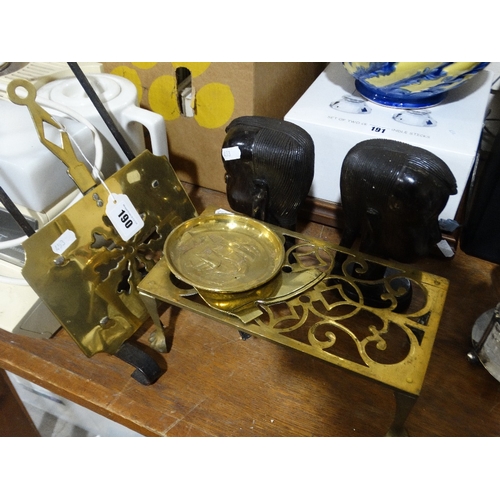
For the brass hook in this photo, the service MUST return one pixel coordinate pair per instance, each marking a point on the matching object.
(76, 169)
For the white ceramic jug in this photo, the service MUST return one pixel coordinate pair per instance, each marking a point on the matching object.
(119, 97)
(32, 176)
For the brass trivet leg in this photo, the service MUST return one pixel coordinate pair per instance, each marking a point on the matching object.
(157, 338)
(404, 404)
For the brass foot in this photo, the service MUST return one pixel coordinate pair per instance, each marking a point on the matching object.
(404, 404)
(157, 338)
(158, 341)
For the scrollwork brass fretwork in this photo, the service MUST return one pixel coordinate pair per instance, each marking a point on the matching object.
(330, 318)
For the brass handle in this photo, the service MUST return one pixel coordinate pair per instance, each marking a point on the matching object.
(23, 92)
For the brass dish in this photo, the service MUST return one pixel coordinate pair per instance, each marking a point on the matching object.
(224, 253)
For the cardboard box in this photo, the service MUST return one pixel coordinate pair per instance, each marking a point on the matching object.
(338, 118)
(218, 93)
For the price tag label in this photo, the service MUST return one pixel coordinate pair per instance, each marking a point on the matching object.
(63, 242)
(232, 153)
(445, 248)
(223, 211)
(123, 215)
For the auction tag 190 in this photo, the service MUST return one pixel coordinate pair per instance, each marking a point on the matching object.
(123, 215)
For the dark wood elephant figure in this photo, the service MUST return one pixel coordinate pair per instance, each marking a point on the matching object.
(269, 167)
(392, 195)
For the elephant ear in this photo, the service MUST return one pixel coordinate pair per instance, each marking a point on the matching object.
(260, 198)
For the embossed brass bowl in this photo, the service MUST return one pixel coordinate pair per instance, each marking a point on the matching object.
(224, 253)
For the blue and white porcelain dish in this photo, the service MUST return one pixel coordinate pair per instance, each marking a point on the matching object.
(410, 84)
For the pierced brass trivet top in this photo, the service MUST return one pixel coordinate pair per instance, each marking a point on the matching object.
(327, 317)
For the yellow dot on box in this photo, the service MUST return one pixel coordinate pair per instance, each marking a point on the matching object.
(144, 65)
(163, 97)
(214, 105)
(130, 74)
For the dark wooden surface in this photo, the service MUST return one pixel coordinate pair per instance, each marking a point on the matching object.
(14, 419)
(217, 384)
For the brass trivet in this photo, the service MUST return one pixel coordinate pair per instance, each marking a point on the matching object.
(91, 287)
(324, 321)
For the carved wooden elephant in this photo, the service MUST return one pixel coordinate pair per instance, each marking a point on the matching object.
(392, 194)
(269, 167)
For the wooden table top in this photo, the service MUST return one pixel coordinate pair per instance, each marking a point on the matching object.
(217, 384)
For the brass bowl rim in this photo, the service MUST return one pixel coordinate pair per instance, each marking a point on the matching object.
(248, 224)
